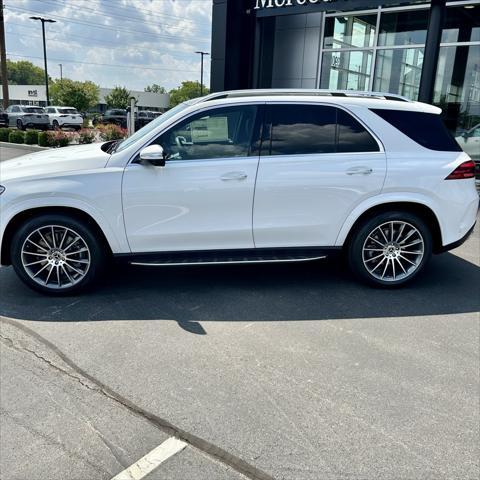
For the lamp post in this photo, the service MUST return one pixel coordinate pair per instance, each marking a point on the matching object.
(61, 71)
(45, 20)
(202, 54)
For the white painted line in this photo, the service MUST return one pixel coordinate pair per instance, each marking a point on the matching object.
(152, 460)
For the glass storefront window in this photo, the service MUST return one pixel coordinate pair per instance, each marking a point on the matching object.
(403, 28)
(457, 87)
(350, 31)
(462, 24)
(346, 70)
(399, 71)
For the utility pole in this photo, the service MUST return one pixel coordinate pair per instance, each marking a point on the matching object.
(202, 54)
(61, 72)
(3, 58)
(43, 20)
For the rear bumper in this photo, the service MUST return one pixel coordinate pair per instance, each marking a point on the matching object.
(456, 244)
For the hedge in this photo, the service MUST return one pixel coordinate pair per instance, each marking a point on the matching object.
(43, 139)
(16, 136)
(4, 133)
(31, 137)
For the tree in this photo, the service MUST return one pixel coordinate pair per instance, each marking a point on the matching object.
(154, 88)
(186, 91)
(71, 93)
(119, 97)
(24, 73)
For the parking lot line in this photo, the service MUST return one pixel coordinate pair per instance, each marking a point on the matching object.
(152, 460)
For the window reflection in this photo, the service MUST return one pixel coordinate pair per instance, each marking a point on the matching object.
(403, 28)
(399, 71)
(350, 31)
(457, 87)
(346, 70)
(462, 24)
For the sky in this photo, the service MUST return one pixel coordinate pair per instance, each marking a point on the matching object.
(131, 43)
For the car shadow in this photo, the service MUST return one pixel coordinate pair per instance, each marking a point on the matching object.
(188, 295)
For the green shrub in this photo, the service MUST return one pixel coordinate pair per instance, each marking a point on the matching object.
(16, 136)
(31, 137)
(43, 139)
(4, 133)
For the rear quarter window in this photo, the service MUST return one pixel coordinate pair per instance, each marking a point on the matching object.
(426, 129)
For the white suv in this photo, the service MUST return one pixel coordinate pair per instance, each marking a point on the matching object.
(64, 117)
(242, 177)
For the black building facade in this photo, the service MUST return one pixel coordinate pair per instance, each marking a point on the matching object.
(427, 51)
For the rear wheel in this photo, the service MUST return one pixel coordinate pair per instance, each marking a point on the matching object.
(57, 255)
(390, 249)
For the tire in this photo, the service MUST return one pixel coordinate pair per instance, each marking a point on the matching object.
(55, 125)
(77, 128)
(20, 125)
(378, 261)
(61, 267)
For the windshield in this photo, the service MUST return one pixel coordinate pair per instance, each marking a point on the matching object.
(33, 110)
(151, 126)
(67, 110)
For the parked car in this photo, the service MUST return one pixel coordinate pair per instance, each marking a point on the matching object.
(246, 177)
(116, 116)
(24, 116)
(470, 143)
(61, 117)
(3, 118)
(142, 118)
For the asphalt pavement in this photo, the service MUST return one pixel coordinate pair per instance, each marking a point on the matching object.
(267, 371)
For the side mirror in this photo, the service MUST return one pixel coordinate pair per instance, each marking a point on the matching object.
(153, 154)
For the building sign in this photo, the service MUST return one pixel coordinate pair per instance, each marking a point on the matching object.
(265, 8)
(33, 93)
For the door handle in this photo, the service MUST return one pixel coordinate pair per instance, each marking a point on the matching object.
(227, 177)
(359, 171)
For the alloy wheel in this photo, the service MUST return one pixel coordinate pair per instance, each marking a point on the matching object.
(393, 251)
(56, 257)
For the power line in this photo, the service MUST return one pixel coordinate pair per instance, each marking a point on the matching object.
(141, 67)
(126, 17)
(149, 12)
(104, 27)
(104, 46)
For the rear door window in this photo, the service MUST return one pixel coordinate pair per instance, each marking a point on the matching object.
(292, 129)
(352, 136)
(300, 129)
(426, 129)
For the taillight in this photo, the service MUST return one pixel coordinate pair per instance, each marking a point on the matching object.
(464, 170)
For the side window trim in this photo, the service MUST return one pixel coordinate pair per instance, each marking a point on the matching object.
(267, 125)
(260, 111)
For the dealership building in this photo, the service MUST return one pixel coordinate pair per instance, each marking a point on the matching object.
(37, 95)
(427, 51)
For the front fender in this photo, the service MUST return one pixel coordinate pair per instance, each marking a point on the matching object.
(110, 221)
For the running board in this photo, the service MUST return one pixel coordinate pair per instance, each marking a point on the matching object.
(225, 262)
(220, 257)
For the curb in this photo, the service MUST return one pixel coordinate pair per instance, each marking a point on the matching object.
(25, 148)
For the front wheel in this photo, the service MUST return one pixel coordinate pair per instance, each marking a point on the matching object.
(20, 125)
(56, 255)
(390, 249)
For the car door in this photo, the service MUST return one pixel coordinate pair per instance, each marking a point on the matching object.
(12, 115)
(202, 199)
(317, 163)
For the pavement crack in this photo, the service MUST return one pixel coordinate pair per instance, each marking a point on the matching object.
(218, 453)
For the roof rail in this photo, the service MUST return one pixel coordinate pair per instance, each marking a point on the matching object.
(305, 92)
